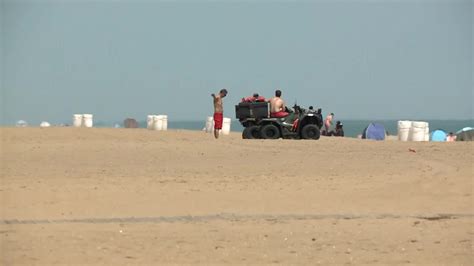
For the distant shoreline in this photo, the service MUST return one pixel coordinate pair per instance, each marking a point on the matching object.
(352, 128)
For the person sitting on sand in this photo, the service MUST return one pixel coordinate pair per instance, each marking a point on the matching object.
(277, 105)
(218, 111)
(450, 137)
(338, 131)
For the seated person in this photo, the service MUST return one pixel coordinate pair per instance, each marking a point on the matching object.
(277, 105)
(254, 98)
(451, 137)
(339, 130)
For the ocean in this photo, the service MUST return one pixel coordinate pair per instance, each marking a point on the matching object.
(352, 128)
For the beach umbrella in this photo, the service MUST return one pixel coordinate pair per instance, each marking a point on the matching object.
(465, 134)
(374, 131)
(438, 135)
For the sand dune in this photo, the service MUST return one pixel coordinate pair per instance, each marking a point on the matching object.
(132, 196)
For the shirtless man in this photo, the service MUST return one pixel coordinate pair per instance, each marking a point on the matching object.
(218, 111)
(328, 122)
(277, 106)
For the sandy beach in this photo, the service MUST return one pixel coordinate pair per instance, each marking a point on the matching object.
(138, 197)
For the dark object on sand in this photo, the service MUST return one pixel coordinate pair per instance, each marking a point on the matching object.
(130, 123)
(298, 124)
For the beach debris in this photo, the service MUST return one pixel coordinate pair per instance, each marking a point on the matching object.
(411, 150)
(21, 123)
(45, 124)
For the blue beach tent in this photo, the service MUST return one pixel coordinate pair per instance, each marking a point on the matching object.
(438, 135)
(374, 131)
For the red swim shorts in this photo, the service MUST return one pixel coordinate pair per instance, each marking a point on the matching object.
(218, 119)
(279, 114)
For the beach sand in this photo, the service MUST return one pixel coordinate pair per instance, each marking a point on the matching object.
(133, 196)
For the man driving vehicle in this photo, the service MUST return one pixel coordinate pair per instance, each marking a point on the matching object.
(277, 106)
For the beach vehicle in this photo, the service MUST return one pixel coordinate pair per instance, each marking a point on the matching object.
(299, 124)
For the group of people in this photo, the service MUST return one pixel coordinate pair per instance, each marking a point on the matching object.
(338, 130)
(277, 105)
(277, 110)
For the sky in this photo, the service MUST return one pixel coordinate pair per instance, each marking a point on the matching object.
(117, 59)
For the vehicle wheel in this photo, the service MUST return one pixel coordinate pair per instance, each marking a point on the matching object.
(310, 132)
(270, 132)
(251, 132)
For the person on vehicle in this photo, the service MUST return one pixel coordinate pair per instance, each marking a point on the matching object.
(218, 111)
(254, 98)
(277, 106)
(328, 122)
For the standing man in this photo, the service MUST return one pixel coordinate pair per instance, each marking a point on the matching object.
(218, 111)
(328, 122)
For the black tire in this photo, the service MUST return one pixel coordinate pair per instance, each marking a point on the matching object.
(269, 132)
(310, 132)
(251, 132)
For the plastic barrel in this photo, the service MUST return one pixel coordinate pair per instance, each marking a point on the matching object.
(149, 122)
(77, 120)
(87, 120)
(209, 124)
(404, 130)
(418, 131)
(165, 122)
(226, 126)
(157, 122)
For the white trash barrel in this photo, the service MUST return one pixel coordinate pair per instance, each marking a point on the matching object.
(404, 130)
(157, 122)
(77, 120)
(209, 124)
(419, 124)
(226, 126)
(164, 118)
(418, 131)
(149, 121)
(45, 124)
(87, 120)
